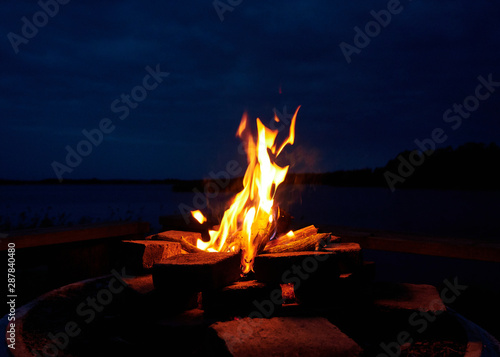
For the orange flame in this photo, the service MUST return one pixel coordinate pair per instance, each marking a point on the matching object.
(252, 214)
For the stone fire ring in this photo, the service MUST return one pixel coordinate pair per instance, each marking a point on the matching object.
(80, 319)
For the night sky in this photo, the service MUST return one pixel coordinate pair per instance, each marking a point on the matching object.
(86, 64)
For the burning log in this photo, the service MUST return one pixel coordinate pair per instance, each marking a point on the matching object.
(308, 243)
(262, 231)
(305, 239)
(233, 242)
(275, 246)
(188, 247)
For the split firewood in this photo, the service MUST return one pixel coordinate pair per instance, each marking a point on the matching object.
(299, 234)
(304, 239)
(262, 231)
(175, 236)
(305, 244)
(185, 245)
(233, 242)
(322, 240)
(188, 247)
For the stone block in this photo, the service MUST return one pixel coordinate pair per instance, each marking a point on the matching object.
(281, 336)
(196, 271)
(140, 255)
(295, 267)
(410, 297)
(348, 255)
(241, 298)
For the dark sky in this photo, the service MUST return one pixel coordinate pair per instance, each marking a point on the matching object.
(71, 67)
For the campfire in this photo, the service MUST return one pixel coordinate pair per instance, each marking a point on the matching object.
(251, 223)
(253, 239)
(248, 285)
(252, 266)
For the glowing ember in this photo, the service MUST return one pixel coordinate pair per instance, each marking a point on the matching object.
(250, 221)
(288, 293)
(199, 216)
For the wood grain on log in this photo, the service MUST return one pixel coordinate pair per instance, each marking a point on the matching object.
(306, 238)
(233, 242)
(308, 243)
(186, 239)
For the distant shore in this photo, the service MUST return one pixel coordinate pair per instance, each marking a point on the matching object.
(471, 166)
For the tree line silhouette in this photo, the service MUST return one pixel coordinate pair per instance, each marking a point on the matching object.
(470, 166)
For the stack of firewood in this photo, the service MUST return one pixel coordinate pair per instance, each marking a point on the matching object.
(304, 239)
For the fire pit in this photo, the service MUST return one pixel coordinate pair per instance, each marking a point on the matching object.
(255, 232)
(305, 273)
(193, 305)
(249, 286)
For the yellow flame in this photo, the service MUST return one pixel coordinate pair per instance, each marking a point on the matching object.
(253, 207)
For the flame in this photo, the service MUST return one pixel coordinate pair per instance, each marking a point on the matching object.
(199, 216)
(252, 215)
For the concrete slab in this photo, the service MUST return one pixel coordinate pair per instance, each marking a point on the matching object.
(415, 297)
(282, 336)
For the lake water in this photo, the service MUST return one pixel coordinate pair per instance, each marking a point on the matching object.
(473, 214)
(89, 203)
